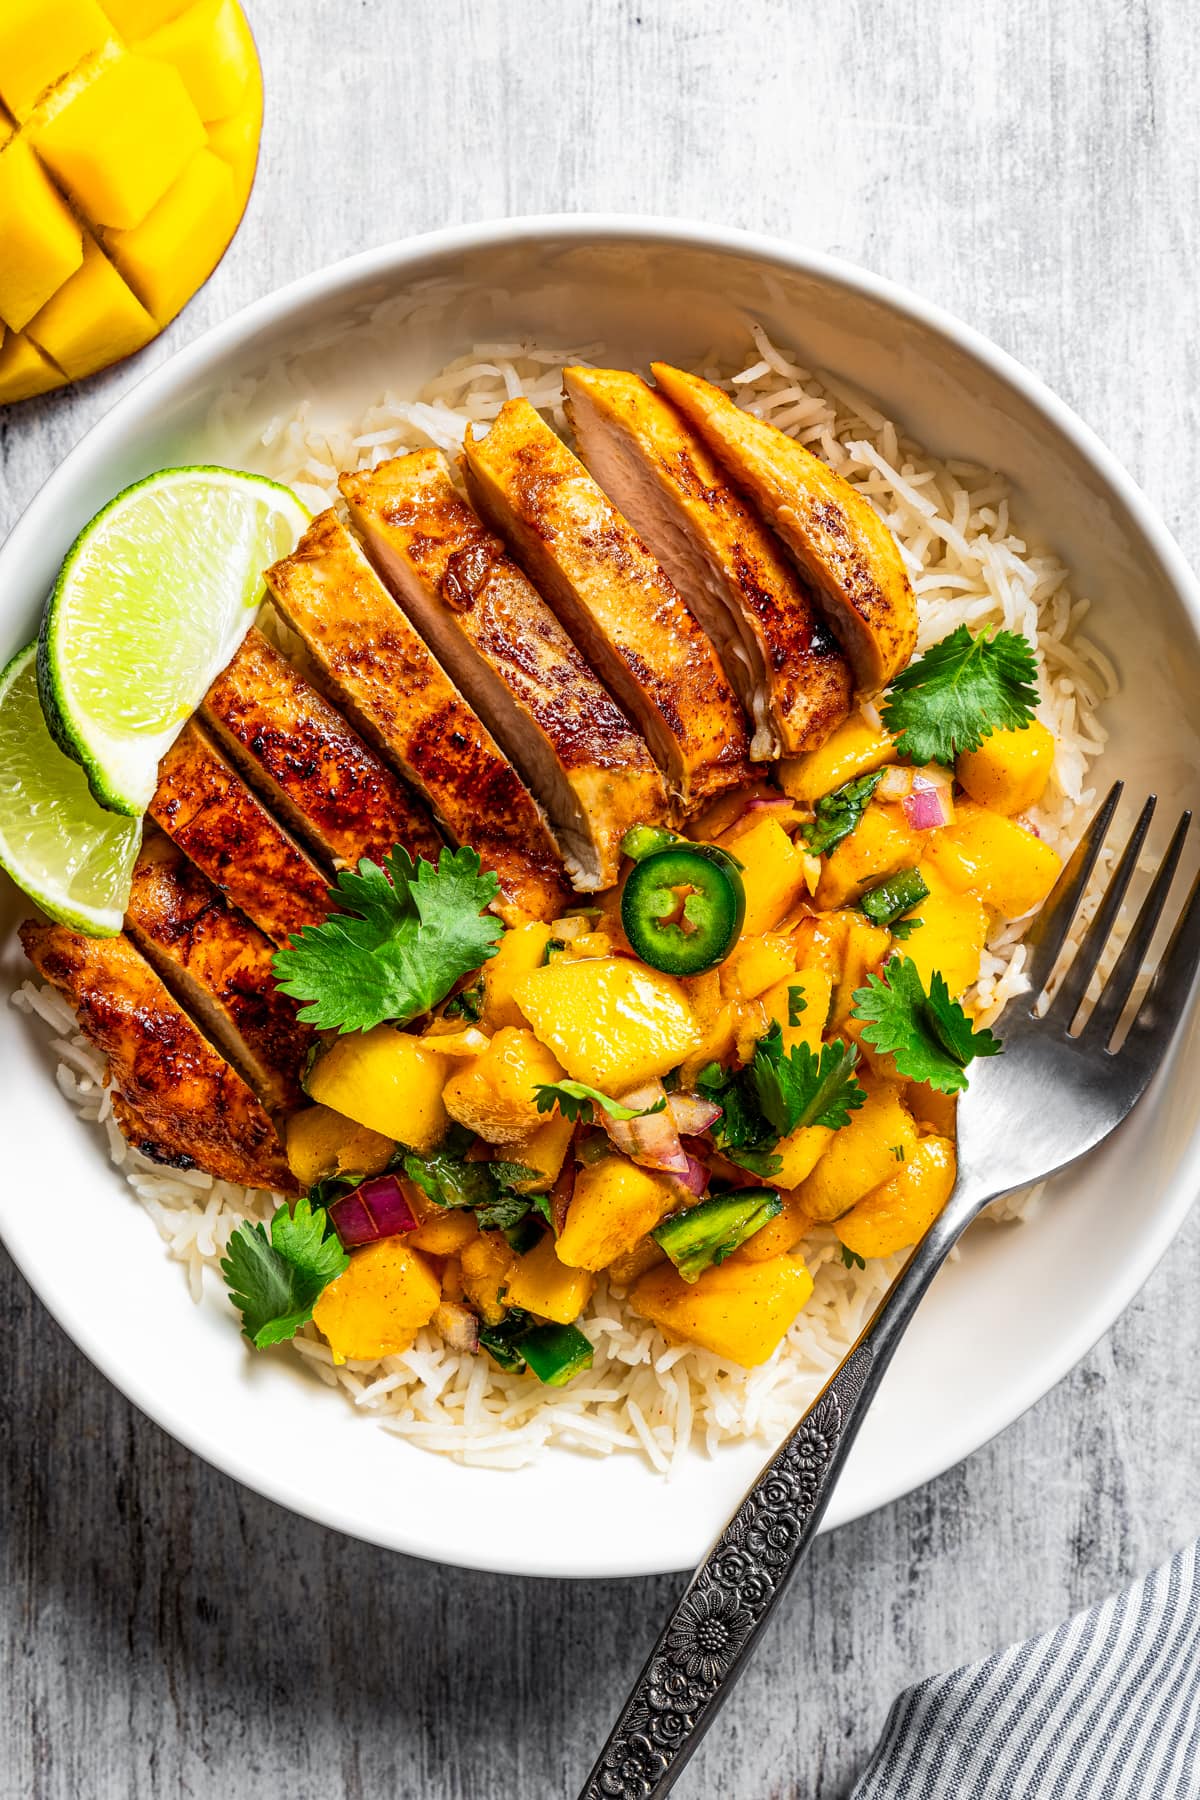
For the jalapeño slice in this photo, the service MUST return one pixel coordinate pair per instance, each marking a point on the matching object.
(682, 908)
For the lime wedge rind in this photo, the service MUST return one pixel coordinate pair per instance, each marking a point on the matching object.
(67, 853)
(153, 598)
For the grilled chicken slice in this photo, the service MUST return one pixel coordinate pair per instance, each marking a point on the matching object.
(613, 598)
(839, 541)
(329, 593)
(786, 669)
(180, 1093)
(219, 965)
(316, 772)
(203, 804)
(511, 658)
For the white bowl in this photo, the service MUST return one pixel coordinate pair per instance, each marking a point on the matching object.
(1023, 1304)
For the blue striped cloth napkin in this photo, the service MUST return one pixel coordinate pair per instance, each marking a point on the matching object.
(1105, 1708)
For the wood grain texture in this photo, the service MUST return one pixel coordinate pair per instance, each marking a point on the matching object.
(163, 1633)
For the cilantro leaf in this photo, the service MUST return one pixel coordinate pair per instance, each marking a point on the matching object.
(904, 928)
(852, 1259)
(397, 946)
(928, 1034)
(575, 1100)
(838, 813)
(796, 1004)
(741, 1125)
(276, 1281)
(468, 1004)
(801, 1088)
(446, 1177)
(959, 692)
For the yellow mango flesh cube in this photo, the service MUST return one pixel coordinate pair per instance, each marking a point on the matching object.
(40, 42)
(880, 844)
(519, 951)
(996, 859)
(815, 989)
(901, 1210)
(444, 1231)
(167, 256)
(614, 1205)
(41, 246)
(862, 1154)
(24, 371)
(122, 140)
(855, 748)
(544, 1150)
(134, 18)
(487, 1263)
(739, 1311)
(773, 872)
(755, 964)
(541, 1283)
(321, 1143)
(385, 1079)
(207, 44)
(778, 1235)
(1010, 769)
(93, 320)
(377, 1305)
(799, 1153)
(864, 947)
(235, 140)
(951, 937)
(494, 1095)
(612, 1023)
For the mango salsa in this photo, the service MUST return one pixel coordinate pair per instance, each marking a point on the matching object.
(321, 1143)
(123, 176)
(855, 748)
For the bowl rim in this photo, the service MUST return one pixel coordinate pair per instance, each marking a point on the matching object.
(159, 385)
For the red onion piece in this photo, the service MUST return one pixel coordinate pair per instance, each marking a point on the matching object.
(696, 1179)
(458, 1326)
(373, 1210)
(652, 1140)
(931, 803)
(691, 1114)
(768, 805)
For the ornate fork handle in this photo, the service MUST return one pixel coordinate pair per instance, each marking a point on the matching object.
(711, 1633)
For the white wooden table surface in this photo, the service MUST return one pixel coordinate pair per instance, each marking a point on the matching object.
(1033, 167)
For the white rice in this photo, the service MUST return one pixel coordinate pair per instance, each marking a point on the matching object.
(970, 564)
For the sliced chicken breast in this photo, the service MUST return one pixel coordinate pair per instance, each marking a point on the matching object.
(315, 771)
(219, 965)
(613, 598)
(180, 1094)
(205, 807)
(403, 700)
(838, 540)
(784, 665)
(510, 657)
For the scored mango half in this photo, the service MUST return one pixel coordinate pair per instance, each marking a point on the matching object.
(128, 140)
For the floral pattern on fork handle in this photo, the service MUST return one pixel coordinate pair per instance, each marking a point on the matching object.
(729, 1599)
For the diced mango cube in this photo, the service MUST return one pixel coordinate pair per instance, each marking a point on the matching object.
(385, 1079)
(855, 748)
(612, 1023)
(899, 1211)
(614, 1205)
(40, 42)
(24, 371)
(933, 1110)
(445, 1231)
(494, 1094)
(880, 844)
(207, 44)
(520, 950)
(739, 1311)
(134, 18)
(93, 320)
(377, 1305)
(1010, 769)
(542, 1283)
(773, 872)
(951, 936)
(235, 140)
(879, 1137)
(123, 138)
(755, 964)
(487, 1263)
(322, 1142)
(995, 859)
(544, 1150)
(807, 993)
(799, 1154)
(864, 947)
(778, 1235)
(167, 256)
(42, 243)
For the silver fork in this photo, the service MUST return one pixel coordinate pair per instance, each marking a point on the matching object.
(1046, 1102)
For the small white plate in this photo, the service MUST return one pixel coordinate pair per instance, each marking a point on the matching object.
(1023, 1304)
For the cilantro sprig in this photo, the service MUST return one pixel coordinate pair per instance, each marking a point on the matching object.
(779, 1092)
(928, 1035)
(276, 1280)
(959, 692)
(491, 1189)
(577, 1101)
(406, 932)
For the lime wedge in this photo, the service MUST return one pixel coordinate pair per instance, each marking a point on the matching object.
(153, 599)
(67, 853)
